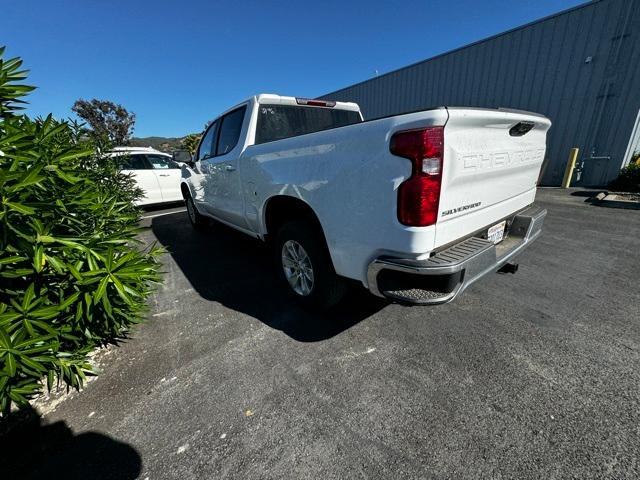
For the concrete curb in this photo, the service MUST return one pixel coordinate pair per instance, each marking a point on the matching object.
(612, 200)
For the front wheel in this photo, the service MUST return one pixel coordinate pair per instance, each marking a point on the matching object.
(199, 222)
(305, 266)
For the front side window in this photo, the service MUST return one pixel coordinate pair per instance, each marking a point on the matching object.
(207, 145)
(276, 122)
(230, 130)
(135, 162)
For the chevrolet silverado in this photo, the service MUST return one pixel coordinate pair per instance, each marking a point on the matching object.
(416, 207)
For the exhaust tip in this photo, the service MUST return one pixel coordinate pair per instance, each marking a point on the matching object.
(509, 268)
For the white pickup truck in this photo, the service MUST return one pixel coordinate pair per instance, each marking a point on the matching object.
(416, 207)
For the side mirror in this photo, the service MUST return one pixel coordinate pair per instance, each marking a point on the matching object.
(183, 156)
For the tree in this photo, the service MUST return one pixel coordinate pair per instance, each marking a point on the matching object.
(108, 121)
(190, 142)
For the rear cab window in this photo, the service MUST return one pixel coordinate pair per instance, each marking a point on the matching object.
(276, 122)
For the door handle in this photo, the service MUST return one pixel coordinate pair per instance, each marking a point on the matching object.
(163, 174)
(229, 168)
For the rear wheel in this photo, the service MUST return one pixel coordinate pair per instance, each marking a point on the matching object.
(199, 222)
(305, 266)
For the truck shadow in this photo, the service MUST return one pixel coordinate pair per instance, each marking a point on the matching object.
(228, 267)
(31, 449)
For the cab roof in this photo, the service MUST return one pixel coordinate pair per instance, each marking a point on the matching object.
(272, 99)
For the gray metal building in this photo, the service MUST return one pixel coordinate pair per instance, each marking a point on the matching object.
(580, 68)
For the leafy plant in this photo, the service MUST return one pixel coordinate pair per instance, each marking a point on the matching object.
(72, 274)
(629, 178)
(10, 91)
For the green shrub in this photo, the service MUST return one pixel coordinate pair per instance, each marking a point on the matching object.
(72, 274)
(629, 178)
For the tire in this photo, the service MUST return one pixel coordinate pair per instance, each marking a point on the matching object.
(198, 221)
(309, 278)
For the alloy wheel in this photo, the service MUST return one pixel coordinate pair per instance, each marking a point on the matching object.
(297, 267)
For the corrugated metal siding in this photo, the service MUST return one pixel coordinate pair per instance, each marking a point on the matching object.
(539, 67)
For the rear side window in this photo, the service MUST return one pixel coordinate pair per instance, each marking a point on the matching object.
(160, 161)
(230, 130)
(276, 122)
(135, 162)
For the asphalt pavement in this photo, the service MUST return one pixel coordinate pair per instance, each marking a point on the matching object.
(533, 375)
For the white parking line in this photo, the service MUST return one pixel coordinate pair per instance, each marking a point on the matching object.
(165, 213)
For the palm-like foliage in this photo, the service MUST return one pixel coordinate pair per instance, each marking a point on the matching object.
(10, 90)
(72, 274)
(190, 142)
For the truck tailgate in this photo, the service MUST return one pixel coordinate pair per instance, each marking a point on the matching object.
(491, 164)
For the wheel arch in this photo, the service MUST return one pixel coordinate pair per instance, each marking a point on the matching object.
(280, 209)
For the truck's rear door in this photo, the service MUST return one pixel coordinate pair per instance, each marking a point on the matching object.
(492, 161)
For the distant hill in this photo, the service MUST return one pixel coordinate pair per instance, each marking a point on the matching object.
(164, 144)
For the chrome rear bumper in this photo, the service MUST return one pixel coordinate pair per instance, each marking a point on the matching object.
(442, 277)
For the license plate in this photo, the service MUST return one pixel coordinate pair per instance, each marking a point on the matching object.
(495, 234)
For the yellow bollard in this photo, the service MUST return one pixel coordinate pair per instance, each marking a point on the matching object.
(571, 164)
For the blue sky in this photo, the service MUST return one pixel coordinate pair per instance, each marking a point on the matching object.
(177, 64)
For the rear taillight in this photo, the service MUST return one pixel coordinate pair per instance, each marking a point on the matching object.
(419, 195)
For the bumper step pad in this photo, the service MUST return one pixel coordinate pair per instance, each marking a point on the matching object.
(440, 278)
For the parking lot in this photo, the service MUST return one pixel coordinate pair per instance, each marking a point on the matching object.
(533, 375)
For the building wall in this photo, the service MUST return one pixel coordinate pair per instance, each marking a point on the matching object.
(542, 67)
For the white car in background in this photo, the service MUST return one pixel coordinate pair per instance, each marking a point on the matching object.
(156, 173)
